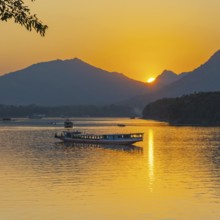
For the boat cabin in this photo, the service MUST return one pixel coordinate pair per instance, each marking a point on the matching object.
(79, 135)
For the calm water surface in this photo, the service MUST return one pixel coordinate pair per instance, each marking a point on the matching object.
(174, 174)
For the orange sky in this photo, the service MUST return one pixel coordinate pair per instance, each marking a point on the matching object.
(139, 38)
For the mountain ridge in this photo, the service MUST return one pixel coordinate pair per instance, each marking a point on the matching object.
(75, 82)
(204, 78)
(66, 82)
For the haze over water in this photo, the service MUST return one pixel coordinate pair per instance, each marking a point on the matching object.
(172, 174)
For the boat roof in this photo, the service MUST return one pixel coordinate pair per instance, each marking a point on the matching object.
(81, 133)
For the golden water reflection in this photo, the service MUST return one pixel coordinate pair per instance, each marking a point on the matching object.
(151, 158)
(172, 174)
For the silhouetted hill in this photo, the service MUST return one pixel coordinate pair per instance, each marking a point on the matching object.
(68, 82)
(203, 79)
(198, 108)
(167, 77)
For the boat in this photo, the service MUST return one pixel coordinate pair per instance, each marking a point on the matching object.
(6, 119)
(118, 139)
(121, 125)
(68, 124)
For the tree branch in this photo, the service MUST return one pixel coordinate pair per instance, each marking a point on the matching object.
(15, 9)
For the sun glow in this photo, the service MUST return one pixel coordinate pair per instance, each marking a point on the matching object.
(150, 80)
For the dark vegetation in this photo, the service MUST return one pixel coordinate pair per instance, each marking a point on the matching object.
(198, 108)
(20, 13)
(65, 111)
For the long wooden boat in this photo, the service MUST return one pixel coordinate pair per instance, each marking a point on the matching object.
(79, 137)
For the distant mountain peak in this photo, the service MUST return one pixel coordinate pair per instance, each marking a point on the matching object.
(217, 53)
(213, 62)
(61, 61)
(203, 79)
(80, 63)
(215, 57)
(76, 59)
(67, 82)
(168, 72)
(72, 60)
(166, 77)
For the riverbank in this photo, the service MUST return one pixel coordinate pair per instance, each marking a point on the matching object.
(195, 109)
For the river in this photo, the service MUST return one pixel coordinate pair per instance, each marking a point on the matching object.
(174, 174)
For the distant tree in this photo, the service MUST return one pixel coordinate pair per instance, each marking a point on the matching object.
(17, 10)
(197, 108)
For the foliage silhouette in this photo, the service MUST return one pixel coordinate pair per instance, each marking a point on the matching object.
(17, 10)
(66, 111)
(199, 108)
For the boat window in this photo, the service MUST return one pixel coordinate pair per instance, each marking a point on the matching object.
(68, 134)
(110, 137)
(136, 136)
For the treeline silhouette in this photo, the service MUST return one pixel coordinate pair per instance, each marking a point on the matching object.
(198, 108)
(66, 111)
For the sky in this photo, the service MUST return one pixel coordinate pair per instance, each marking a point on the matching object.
(139, 38)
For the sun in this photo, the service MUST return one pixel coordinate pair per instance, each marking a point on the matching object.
(150, 80)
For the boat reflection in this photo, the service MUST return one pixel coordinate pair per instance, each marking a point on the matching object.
(127, 148)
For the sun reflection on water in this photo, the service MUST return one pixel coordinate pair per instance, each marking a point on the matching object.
(172, 174)
(151, 159)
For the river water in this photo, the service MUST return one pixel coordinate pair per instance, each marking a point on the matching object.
(174, 174)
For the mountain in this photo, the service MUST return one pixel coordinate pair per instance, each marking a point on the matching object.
(205, 78)
(167, 77)
(68, 82)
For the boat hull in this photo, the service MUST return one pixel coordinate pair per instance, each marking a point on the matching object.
(116, 142)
